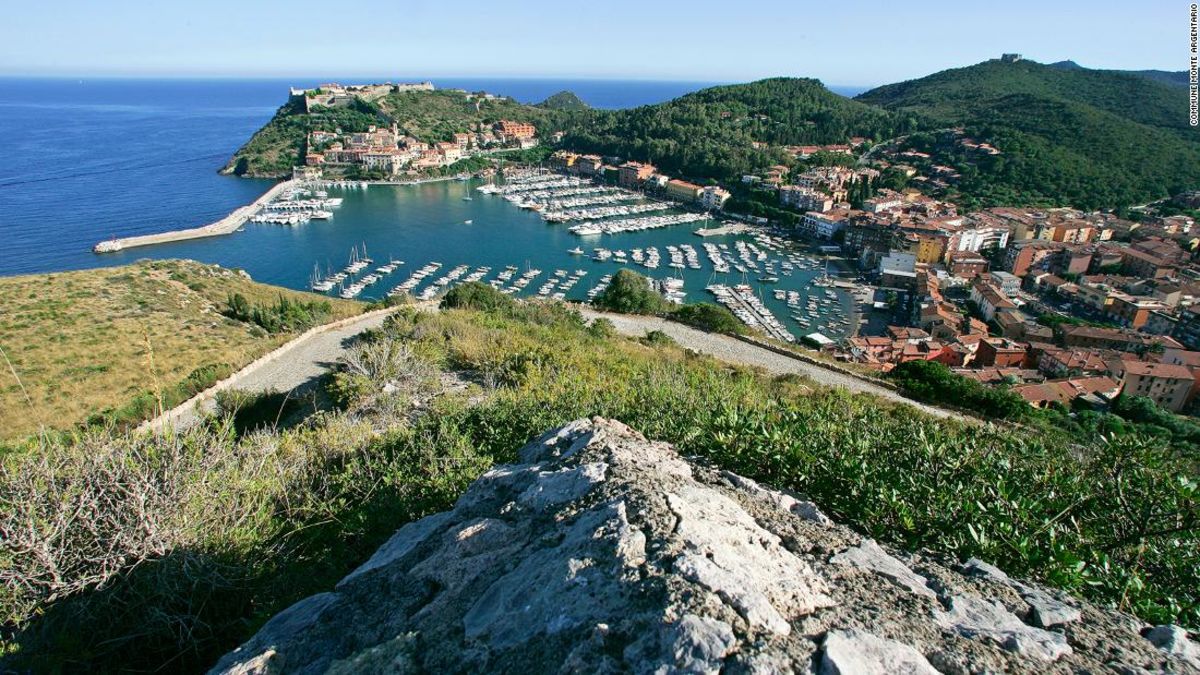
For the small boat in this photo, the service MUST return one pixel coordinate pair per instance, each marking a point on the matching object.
(468, 222)
(769, 280)
(467, 199)
(576, 251)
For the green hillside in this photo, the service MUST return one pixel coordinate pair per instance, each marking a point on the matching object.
(564, 100)
(274, 149)
(429, 116)
(1075, 136)
(1178, 78)
(433, 116)
(710, 133)
(245, 519)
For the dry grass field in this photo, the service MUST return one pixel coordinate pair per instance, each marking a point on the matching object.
(121, 340)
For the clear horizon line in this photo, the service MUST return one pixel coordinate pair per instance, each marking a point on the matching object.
(398, 80)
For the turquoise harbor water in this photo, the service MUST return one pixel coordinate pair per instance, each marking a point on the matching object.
(427, 223)
(96, 159)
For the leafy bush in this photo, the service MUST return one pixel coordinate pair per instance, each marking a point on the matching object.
(602, 328)
(933, 382)
(283, 316)
(476, 295)
(631, 293)
(709, 317)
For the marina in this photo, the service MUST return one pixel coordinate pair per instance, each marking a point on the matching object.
(435, 239)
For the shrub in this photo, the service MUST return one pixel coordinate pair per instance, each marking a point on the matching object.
(602, 328)
(284, 316)
(933, 382)
(476, 295)
(709, 317)
(657, 338)
(630, 293)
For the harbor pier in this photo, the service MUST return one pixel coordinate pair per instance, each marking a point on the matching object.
(226, 225)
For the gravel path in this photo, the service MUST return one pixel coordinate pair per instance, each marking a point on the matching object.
(302, 365)
(735, 351)
(297, 369)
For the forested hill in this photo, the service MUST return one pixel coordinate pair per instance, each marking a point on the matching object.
(713, 132)
(1087, 138)
(1067, 135)
(1178, 78)
(564, 100)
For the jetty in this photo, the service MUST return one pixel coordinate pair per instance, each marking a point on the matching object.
(226, 225)
(727, 228)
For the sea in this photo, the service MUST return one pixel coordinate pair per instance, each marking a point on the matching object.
(93, 159)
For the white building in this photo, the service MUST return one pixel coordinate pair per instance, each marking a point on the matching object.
(713, 198)
(977, 239)
(823, 225)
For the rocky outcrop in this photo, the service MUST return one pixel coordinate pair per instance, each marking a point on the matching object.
(604, 552)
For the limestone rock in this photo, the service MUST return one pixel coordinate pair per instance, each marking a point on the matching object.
(869, 555)
(972, 617)
(856, 652)
(1174, 641)
(604, 552)
(1048, 612)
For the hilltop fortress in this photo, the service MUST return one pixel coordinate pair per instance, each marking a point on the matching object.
(335, 95)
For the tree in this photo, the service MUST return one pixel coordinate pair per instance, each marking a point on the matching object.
(631, 293)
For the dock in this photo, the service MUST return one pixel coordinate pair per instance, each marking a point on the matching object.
(729, 228)
(226, 225)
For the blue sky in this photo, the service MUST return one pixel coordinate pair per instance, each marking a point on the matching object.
(843, 42)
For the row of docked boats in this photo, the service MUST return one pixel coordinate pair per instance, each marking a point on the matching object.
(597, 227)
(297, 206)
(747, 307)
(560, 283)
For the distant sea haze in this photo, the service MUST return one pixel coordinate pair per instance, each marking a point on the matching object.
(96, 158)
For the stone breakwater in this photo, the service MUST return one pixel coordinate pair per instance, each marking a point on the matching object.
(226, 225)
(602, 551)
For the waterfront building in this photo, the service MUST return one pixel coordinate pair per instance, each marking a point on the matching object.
(825, 225)
(589, 165)
(804, 198)
(683, 190)
(713, 198)
(633, 174)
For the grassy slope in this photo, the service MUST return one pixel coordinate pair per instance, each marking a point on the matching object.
(1027, 502)
(89, 340)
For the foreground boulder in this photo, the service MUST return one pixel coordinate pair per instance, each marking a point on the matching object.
(604, 552)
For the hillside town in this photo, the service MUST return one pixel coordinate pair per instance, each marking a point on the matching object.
(1065, 307)
(387, 151)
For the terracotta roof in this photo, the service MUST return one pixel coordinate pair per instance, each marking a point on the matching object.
(1158, 370)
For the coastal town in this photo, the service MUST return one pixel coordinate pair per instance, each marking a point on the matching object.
(777, 337)
(387, 152)
(1062, 306)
